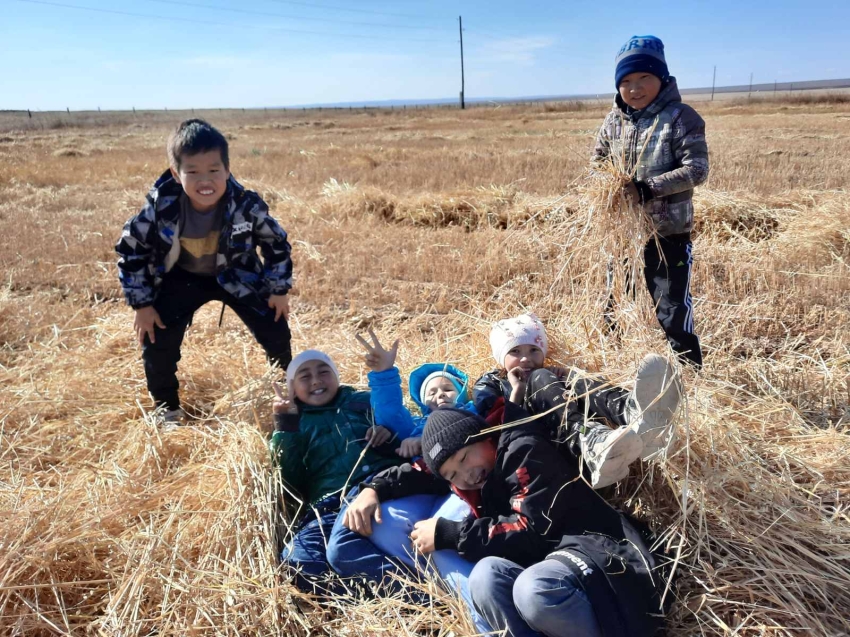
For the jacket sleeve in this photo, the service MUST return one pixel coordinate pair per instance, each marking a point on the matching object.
(288, 447)
(404, 480)
(388, 403)
(691, 152)
(135, 251)
(277, 260)
(486, 391)
(602, 148)
(535, 480)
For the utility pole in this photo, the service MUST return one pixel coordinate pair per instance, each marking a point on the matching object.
(460, 28)
(713, 78)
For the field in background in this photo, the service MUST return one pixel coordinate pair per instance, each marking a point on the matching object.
(425, 225)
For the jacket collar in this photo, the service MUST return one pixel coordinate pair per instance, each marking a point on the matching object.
(669, 93)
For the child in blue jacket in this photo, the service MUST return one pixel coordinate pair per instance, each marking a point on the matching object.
(433, 386)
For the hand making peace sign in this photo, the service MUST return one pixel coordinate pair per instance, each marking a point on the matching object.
(378, 359)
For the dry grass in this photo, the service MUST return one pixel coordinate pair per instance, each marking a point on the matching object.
(426, 225)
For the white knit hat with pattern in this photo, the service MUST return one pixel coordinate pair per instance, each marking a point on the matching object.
(525, 329)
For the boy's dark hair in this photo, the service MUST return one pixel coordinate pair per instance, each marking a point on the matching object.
(195, 136)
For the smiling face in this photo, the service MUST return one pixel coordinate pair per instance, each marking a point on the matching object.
(315, 383)
(203, 177)
(527, 357)
(440, 392)
(638, 90)
(468, 467)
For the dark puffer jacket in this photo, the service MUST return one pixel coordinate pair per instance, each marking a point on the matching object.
(664, 146)
(149, 247)
(535, 506)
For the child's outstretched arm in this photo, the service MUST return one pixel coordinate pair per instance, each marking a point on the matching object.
(691, 152)
(385, 387)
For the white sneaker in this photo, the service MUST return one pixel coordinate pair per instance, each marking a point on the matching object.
(609, 452)
(653, 403)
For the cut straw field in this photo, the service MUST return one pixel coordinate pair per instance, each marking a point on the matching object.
(426, 226)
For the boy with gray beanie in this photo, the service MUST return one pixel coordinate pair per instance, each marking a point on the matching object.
(552, 557)
(663, 144)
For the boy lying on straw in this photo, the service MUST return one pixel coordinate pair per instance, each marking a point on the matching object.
(658, 144)
(326, 438)
(553, 557)
(604, 425)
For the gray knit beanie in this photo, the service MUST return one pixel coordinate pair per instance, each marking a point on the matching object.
(446, 431)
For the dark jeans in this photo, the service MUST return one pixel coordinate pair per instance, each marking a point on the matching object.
(181, 295)
(667, 272)
(568, 404)
(544, 599)
(668, 278)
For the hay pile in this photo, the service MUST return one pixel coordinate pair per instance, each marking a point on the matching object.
(112, 527)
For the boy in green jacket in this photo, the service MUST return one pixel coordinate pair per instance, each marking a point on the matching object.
(325, 440)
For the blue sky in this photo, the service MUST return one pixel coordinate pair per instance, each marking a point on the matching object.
(254, 53)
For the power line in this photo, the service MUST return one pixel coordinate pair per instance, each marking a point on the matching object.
(226, 25)
(337, 8)
(293, 17)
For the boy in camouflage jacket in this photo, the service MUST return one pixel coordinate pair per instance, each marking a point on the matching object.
(650, 123)
(194, 241)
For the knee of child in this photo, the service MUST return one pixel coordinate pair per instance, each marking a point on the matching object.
(541, 378)
(484, 580)
(530, 594)
(336, 557)
(543, 596)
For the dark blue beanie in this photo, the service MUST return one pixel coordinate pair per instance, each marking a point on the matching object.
(641, 54)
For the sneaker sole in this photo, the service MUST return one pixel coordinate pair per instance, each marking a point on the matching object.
(615, 460)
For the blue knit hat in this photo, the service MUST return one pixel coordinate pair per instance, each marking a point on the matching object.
(641, 54)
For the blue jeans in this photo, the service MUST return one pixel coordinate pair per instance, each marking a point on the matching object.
(377, 556)
(544, 599)
(306, 553)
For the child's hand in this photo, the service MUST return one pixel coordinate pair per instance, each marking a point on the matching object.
(423, 535)
(282, 404)
(410, 447)
(378, 435)
(143, 324)
(358, 516)
(518, 381)
(280, 304)
(630, 191)
(377, 358)
(560, 372)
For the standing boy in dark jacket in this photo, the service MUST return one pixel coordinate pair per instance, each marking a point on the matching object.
(662, 142)
(195, 241)
(553, 557)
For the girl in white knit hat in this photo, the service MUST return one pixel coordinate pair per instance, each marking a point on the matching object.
(606, 426)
